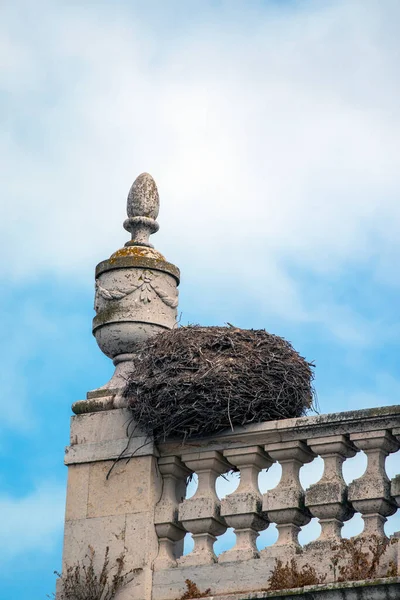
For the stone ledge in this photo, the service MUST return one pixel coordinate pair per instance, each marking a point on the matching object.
(301, 428)
(379, 589)
(103, 436)
(107, 450)
(123, 262)
(103, 426)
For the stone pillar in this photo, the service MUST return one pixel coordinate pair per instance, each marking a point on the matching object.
(113, 504)
(115, 512)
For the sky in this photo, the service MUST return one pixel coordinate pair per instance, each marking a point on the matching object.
(271, 129)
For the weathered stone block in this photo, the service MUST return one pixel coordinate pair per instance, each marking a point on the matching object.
(141, 540)
(241, 503)
(98, 533)
(102, 426)
(77, 492)
(129, 489)
(198, 508)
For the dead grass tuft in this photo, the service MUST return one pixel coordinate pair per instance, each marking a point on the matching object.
(288, 576)
(192, 591)
(83, 582)
(360, 558)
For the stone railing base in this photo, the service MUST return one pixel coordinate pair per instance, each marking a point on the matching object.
(379, 589)
(137, 506)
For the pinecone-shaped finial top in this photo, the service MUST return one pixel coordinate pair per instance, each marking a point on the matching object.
(142, 208)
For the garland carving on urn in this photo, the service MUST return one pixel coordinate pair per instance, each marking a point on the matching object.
(146, 286)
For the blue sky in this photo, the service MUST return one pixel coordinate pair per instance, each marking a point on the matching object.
(272, 130)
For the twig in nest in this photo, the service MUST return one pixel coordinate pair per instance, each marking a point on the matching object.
(196, 380)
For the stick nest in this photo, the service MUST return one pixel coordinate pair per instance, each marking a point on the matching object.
(200, 380)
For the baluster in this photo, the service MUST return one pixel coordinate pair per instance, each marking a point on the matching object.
(327, 499)
(395, 486)
(168, 529)
(370, 494)
(200, 515)
(285, 503)
(242, 509)
(395, 489)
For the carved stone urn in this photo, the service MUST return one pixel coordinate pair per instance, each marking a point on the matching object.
(136, 293)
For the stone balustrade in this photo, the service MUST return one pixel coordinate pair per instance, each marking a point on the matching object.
(292, 443)
(126, 495)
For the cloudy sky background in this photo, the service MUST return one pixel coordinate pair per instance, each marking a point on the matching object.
(272, 130)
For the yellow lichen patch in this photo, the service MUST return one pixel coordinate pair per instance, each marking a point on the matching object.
(138, 251)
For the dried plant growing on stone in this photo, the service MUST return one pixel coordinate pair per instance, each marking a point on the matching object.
(83, 581)
(199, 380)
(392, 570)
(359, 558)
(289, 575)
(192, 591)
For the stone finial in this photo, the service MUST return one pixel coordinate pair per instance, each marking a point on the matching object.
(142, 208)
(136, 295)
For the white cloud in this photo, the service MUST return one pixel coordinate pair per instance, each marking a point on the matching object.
(273, 139)
(33, 523)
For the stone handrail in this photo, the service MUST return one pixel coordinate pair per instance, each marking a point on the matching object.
(292, 443)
